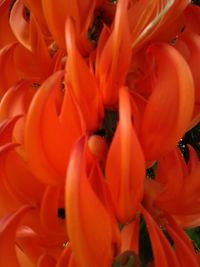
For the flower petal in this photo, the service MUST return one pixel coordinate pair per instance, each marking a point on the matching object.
(163, 253)
(80, 78)
(125, 171)
(87, 218)
(170, 106)
(8, 227)
(52, 124)
(114, 57)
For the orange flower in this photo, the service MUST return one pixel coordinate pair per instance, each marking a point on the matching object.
(92, 93)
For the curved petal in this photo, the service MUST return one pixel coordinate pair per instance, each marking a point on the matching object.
(155, 19)
(15, 102)
(170, 174)
(87, 218)
(51, 125)
(113, 58)
(185, 254)
(189, 46)
(125, 167)
(7, 62)
(9, 37)
(8, 202)
(79, 76)
(192, 19)
(56, 14)
(49, 212)
(18, 179)
(35, 7)
(36, 245)
(164, 254)
(19, 24)
(170, 106)
(8, 227)
(193, 159)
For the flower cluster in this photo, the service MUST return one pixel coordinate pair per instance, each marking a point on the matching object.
(95, 97)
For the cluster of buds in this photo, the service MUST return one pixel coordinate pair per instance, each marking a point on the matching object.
(93, 95)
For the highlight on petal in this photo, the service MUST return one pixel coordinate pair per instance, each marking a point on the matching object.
(19, 23)
(28, 31)
(169, 109)
(87, 218)
(147, 15)
(150, 19)
(35, 7)
(125, 167)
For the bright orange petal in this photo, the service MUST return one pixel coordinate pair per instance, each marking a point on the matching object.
(51, 125)
(8, 227)
(87, 218)
(80, 78)
(125, 167)
(170, 106)
(113, 58)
